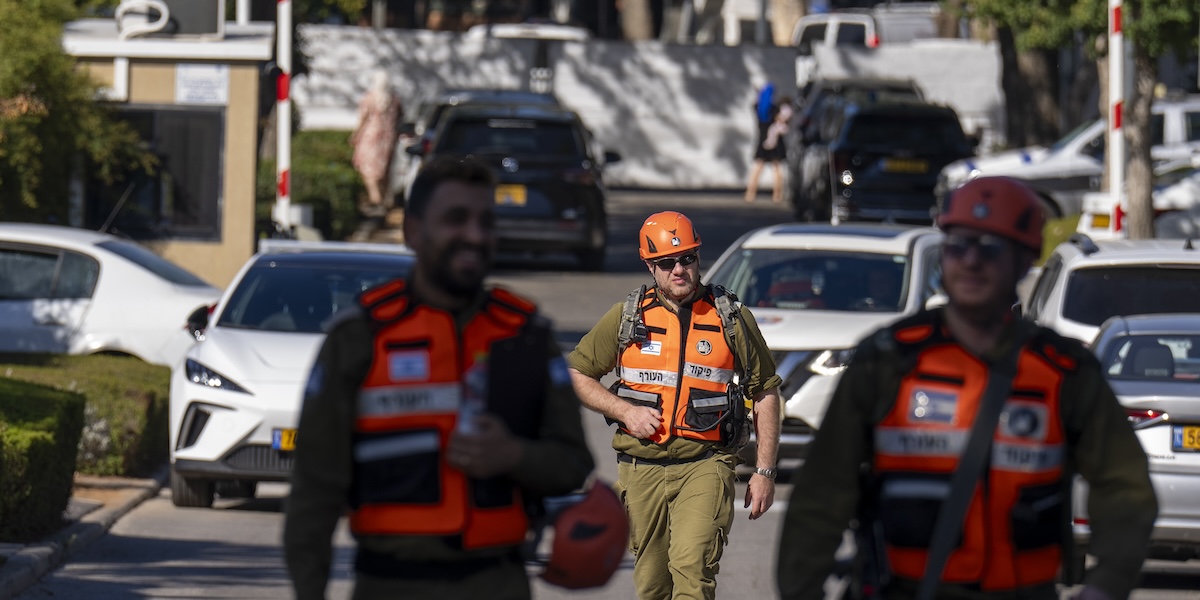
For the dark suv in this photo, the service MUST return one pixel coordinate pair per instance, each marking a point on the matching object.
(880, 162)
(551, 193)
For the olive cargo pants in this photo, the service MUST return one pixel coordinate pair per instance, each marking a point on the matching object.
(679, 519)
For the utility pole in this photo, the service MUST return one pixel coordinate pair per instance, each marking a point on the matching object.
(283, 116)
(1116, 107)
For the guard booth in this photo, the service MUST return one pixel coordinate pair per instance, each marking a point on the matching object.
(189, 83)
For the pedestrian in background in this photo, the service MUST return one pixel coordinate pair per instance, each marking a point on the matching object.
(902, 425)
(769, 148)
(676, 348)
(435, 410)
(374, 142)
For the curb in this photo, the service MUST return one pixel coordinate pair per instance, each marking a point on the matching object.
(27, 566)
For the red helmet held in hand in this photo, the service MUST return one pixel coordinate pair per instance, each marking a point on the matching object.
(590, 538)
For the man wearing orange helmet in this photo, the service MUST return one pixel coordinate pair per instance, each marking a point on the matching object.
(954, 436)
(677, 348)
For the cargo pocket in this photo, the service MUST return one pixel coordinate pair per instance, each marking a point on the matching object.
(1037, 517)
(705, 409)
(638, 397)
(908, 509)
(398, 468)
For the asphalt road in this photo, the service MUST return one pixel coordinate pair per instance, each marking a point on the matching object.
(233, 550)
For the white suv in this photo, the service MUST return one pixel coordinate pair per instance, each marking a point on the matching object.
(1073, 165)
(816, 290)
(1085, 282)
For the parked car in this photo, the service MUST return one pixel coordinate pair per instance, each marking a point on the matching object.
(1152, 363)
(1073, 165)
(235, 399)
(66, 290)
(1176, 188)
(1085, 283)
(878, 161)
(886, 23)
(551, 193)
(816, 290)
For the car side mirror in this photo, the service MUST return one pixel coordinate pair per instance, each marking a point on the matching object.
(1017, 310)
(407, 129)
(973, 141)
(611, 157)
(415, 150)
(937, 300)
(197, 322)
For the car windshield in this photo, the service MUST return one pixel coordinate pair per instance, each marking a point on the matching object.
(300, 297)
(816, 279)
(152, 262)
(512, 136)
(1066, 139)
(930, 134)
(1097, 293)
(1154, 357)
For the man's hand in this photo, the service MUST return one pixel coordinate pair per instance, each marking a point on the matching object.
(760, 495)
(641, 421)
(492, 451)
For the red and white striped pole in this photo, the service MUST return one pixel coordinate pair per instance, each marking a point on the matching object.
(1116, 108)
(283, 117)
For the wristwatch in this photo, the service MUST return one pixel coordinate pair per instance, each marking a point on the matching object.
(768, 473)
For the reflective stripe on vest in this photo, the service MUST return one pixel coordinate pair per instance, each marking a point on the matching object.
(407, 409)
(685, 373)
(1011, 538)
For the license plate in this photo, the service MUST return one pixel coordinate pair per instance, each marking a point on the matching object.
(1100, 221)
(510, 195)
(283, 439)
(905, 165)
(1186, 438)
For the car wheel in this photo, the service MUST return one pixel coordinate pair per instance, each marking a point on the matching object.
(191, 493)
(237, 488)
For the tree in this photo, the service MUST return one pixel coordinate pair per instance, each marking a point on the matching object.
(49, 116)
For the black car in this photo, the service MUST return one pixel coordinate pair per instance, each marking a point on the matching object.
(551, 193)
(881, 164)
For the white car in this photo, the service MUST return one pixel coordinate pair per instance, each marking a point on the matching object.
(816, 290)
(66, 290)
(1176, 188)
(1086, 282)
(235, 399)
(1073, 165)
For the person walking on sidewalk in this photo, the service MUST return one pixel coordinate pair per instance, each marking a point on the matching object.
(899, 445)
(681, 417)
(435, 411)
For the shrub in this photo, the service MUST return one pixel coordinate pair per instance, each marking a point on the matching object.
(322, 177)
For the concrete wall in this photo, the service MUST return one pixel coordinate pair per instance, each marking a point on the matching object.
(680, 115)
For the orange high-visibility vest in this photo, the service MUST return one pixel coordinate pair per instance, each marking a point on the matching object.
(683, 372)
(1013, 528)
(407, 408)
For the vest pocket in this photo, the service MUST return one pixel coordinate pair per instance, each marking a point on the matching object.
(398, 468)
(705, 409)
(1037, 517)
(637, 397)
(909, 506)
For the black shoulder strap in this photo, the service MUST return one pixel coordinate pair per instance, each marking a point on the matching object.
(970, 465)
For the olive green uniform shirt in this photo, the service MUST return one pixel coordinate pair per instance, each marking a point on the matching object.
(557, 462)
(1101, 446)
(596, 355)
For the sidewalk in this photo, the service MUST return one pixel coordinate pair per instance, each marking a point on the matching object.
(96, 504)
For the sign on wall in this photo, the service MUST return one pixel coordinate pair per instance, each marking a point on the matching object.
(201, 84)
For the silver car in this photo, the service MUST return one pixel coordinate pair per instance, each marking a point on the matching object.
(1152, 363)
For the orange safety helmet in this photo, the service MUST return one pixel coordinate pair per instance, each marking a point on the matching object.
(665, 233)
(590, 538)
(1000, 205)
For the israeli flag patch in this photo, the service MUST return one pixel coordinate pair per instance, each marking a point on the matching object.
(932, 406)
(316, 381)
(558, 372)
(651, 348)
(409, 365)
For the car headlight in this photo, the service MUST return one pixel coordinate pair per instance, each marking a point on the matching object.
(202, 375)
(831, 362)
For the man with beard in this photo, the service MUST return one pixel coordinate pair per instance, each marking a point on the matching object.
(677, 348)
(903, 419)
(435, 411)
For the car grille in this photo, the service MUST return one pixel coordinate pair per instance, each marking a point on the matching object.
(260, 458)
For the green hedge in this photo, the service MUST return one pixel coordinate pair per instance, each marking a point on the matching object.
(321, 177)
(125, 427)
(38, 449)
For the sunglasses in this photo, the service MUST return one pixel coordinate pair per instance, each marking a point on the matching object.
(988, 247)
(668, 264)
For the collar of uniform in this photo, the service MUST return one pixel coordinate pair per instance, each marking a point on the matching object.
(461, 316)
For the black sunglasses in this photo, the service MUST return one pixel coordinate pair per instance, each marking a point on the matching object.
(990, 247)
(668, 264)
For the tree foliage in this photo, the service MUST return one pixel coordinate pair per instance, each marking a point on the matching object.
(49, 116)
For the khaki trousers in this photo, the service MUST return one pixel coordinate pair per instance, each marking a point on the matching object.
(679, 519)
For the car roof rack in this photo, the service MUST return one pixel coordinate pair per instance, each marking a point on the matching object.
(1085, 243)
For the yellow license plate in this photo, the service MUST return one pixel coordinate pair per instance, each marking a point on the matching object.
(905, 165)
(1100, 221)
(511, 195)
(283, 439)
(1186, 437)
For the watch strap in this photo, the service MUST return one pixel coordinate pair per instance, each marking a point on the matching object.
(768, 473)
